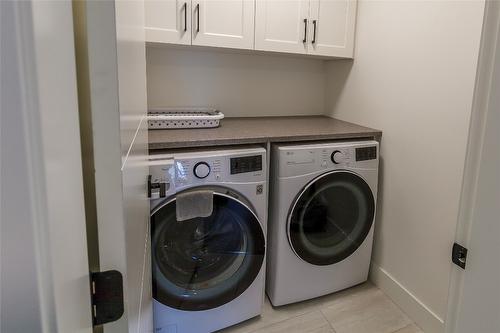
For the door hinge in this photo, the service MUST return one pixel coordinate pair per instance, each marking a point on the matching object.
(459, 255)
(106, 296)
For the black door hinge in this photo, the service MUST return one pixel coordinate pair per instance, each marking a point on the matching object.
(459, 255)
(107, 297)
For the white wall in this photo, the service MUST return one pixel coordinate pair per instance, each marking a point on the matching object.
(236, 84)
(413, 78)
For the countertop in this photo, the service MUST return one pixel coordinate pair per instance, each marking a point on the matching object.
(251, 130)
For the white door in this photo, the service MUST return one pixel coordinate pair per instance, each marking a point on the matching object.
(282, 25)
(168, 21)
(43, 259)
(224, 23)
(111, 64)
(475, 291)
(332, 28)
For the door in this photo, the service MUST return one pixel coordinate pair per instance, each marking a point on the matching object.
(44, 274)
(224, 23)
(282, 25)
(205, 262)
(111, 73)
(168, 21)
(475, 292)
(332, 27)
(331, 218)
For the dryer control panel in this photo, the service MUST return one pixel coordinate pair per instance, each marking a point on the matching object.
(296, 160)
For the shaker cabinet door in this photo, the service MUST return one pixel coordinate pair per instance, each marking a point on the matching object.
(282, 25)
(332, 28)
(168, 21)
(223, 23)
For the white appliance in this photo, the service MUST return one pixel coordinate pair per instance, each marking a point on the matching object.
(322, 209)
(208, 272)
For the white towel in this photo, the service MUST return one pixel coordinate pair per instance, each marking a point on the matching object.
(193, 204)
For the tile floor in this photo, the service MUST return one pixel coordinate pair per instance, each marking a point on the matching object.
(361, 309)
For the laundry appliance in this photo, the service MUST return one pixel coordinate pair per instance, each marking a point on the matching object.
(322, 210)
(208, 238)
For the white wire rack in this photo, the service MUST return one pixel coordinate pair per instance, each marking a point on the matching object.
(171, 118)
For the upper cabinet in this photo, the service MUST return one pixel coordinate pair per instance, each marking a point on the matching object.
(332, 26)
(224, 23)
(168, 21)
(281, 25)
(319, 27)
(220, 23)
(315, 27)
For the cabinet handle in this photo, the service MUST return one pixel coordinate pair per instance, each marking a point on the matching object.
(305, 31)
(185, 17)
(314, 32)
(197, 17)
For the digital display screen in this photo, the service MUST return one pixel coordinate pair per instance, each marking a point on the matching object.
(246, 164)
(366, 153)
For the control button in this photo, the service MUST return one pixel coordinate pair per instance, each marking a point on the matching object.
(201, 170)
(337, 157)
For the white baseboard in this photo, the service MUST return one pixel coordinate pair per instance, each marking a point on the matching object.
(411, 305)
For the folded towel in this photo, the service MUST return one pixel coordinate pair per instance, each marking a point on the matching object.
(193, 204)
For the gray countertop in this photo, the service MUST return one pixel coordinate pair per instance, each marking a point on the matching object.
(234, 131)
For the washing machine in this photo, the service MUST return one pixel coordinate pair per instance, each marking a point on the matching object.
(207, 270)
(321, 218)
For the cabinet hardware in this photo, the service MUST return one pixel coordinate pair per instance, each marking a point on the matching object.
(185, 16)
(314, 32)
(305, 31)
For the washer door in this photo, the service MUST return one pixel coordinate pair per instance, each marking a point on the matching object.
(203, 263)
(331, 218)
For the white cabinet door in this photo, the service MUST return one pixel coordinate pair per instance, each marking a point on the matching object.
(332, 28)
(168, 21)
(224, 23)
(281, 25)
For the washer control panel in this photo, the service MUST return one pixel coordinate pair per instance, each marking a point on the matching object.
(171, 172)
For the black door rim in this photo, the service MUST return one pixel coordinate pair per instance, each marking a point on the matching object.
(254, 261)
(365, 233)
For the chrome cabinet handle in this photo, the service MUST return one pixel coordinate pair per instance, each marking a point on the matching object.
(185, 17)
(305, 31)
(314, 32)
(197, 17)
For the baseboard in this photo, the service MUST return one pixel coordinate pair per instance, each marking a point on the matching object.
(411, 305)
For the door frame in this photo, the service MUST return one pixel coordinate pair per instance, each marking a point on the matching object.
(488, 59)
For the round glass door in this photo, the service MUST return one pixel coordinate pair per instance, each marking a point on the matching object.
(205, 262)
(331, 218)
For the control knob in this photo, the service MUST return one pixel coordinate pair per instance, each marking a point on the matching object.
(337, 157)
(201, 170)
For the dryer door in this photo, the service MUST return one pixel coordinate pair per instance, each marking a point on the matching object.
(331, 218)
(205, 262)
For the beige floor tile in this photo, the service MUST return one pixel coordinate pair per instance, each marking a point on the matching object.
(312, 322)
(271, 315)
(348, 295)
(366, 311)
(361, 309)
(412, 328)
